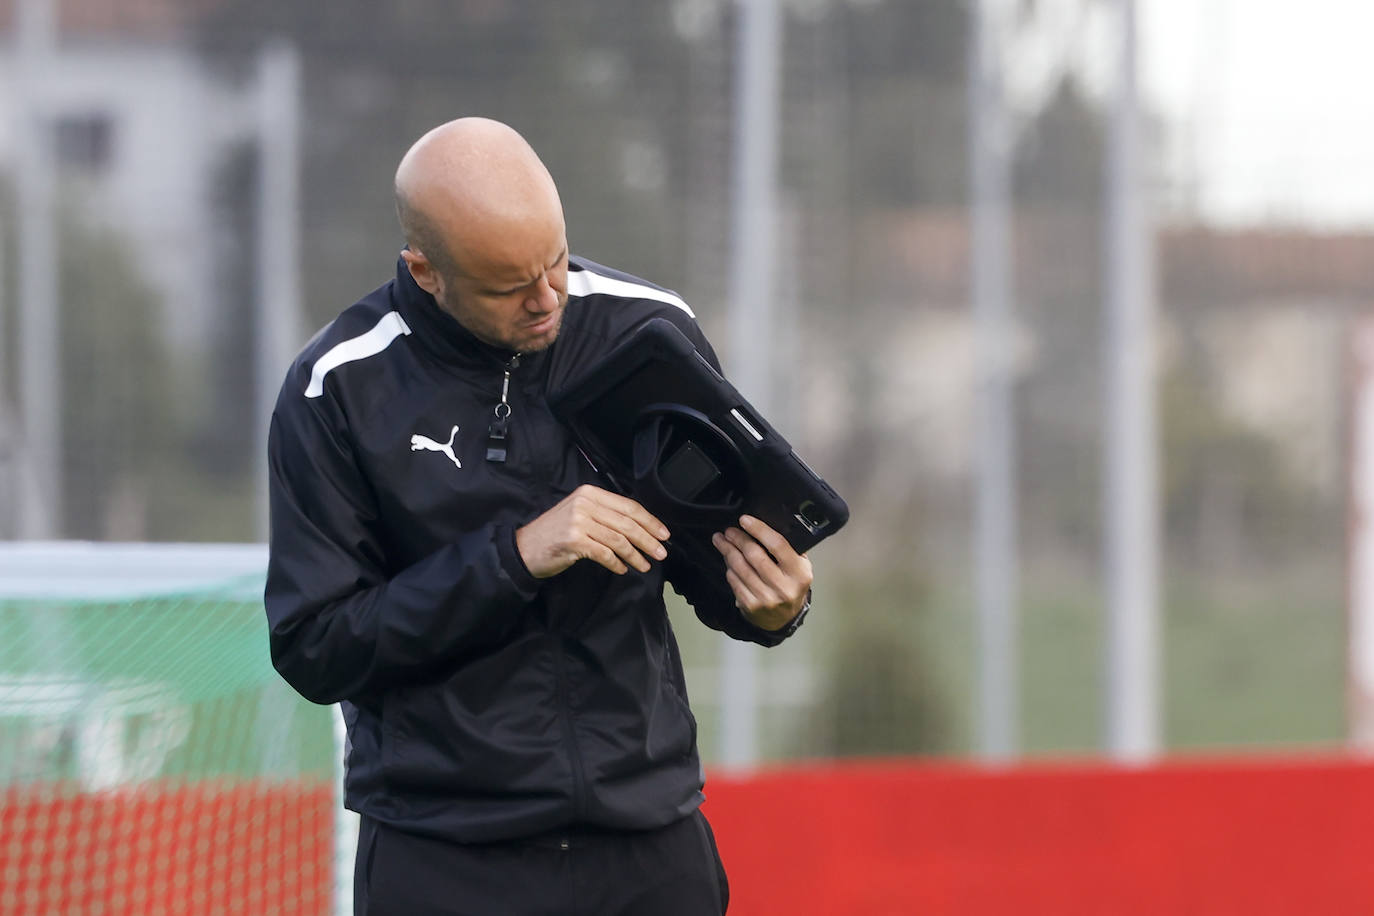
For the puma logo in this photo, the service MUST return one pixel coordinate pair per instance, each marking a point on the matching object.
(418, 442)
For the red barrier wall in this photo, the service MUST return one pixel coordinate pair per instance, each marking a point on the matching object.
(1206, 837)
(245, 849)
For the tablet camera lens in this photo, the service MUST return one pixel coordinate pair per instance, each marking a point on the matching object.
(811, 516)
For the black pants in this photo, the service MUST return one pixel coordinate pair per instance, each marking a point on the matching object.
(674, 871)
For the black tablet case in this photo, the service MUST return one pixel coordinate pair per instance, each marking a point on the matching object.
(662, 426)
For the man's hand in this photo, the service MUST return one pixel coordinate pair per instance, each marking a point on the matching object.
(770, 579)
(591, 524)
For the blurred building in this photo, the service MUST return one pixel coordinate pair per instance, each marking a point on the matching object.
(1254, 321)
(139, 128)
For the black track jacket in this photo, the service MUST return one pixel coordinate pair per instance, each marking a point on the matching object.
(481, 704)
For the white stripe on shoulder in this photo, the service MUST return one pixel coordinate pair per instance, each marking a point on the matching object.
(585, 283)
(364, 345)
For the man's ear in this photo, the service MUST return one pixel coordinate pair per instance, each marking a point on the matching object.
(423, 272)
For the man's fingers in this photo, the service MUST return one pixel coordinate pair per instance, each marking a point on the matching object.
(758, 565)
(604, 556)
(623, 505)
(594, 524)
(775, 543)
(753, 593)
(765, 564)
(621, 547)
(744, 596)
(770, 580)
(622, 524)
(795, 567)
(634, 531)
(625, 536)
(736, 547)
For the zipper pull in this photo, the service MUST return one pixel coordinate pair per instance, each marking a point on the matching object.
(500, 423)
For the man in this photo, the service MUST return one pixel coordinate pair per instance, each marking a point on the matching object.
(446, 566)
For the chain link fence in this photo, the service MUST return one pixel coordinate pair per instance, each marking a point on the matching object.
(156, 165)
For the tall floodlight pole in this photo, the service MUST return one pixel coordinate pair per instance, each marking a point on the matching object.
(995, 517)
(1131, 521)
(278, 297)
(279, 323)
(752, 317)
(1360, 558)
(8, 511)
(40, 377)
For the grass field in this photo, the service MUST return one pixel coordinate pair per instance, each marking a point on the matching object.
(1247, 664)
(1244, 665)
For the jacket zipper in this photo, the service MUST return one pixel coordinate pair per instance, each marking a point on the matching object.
(496, 451)
(569, 733)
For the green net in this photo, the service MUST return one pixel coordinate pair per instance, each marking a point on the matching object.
(151, 760)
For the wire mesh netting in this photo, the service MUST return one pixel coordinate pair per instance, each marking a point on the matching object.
(156, 117)
(151, 761)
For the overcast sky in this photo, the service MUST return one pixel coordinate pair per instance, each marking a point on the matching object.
(1271, 105)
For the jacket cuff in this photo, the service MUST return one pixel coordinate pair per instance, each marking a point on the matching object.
(513, 565)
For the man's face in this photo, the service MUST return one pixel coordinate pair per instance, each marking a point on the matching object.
(510, 290)
(520, 311)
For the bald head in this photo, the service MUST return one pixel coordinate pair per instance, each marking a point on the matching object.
(465, 180)
(485, 232)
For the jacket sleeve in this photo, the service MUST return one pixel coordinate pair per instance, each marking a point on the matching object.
(701, 581)
(341, 623)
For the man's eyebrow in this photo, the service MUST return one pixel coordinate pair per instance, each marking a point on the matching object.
(490, 291)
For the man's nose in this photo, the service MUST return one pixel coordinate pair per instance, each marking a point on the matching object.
(544, 298)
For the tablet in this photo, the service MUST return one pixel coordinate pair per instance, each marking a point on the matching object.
(663, 427)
